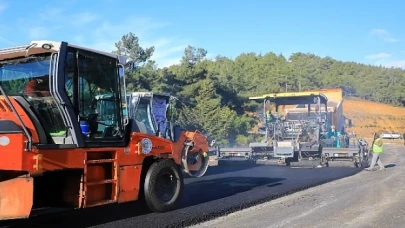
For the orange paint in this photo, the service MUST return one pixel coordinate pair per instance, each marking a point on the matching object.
(6, 113)
(109, 174)
(129, 183)
(16, 198)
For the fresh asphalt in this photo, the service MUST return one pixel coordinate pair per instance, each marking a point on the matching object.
(224, 189)
(365, 200)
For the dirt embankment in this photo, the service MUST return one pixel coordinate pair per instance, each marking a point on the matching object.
(370, 116)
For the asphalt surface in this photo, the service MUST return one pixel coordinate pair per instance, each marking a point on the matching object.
(368, 199)
(224, 189)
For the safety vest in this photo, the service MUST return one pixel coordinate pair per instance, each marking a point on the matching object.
(377, 149)
(268, 115)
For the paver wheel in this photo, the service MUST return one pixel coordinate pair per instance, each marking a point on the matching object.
(163, 186)
(324, 161)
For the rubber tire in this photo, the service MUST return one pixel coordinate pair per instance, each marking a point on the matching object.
(288, 162)
(151, 198)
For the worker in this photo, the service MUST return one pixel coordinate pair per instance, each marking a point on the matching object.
(269, 116)
(378, 149)
(37, 87)
(404, 138)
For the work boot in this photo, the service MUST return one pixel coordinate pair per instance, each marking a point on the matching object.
(382, 169)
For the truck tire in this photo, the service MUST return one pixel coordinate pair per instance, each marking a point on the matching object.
(163, 186)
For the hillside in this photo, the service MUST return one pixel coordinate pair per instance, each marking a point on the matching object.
(370, 116)
(213, 93)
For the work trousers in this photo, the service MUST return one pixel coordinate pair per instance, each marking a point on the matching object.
(376, 159)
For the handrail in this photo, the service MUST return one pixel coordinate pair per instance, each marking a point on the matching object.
(26, 132)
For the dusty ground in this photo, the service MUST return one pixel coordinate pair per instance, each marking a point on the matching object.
(368, 199)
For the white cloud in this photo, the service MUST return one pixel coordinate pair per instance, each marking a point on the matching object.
(169, 62)
(168, 51)
(389, 62)
(39, 32)
(138, 26)
(381, 55)
(211, 56)
(396, 63)
(161, 42)
(87, 28)
(384, 35)
(169, 54)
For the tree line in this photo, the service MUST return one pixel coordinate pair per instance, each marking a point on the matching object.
(213, 94)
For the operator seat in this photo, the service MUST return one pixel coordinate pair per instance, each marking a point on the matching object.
(108, 132)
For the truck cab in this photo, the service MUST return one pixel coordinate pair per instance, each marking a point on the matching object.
(57, 84)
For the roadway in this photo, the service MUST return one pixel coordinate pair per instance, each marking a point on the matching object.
(368, 199)
(224, 189)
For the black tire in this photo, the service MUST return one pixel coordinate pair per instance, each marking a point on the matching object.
(324, 161)
(167, 170)
(288, 162)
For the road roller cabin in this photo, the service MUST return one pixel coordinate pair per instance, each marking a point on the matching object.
(58, 150)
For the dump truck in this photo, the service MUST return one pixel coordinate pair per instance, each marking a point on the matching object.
(308, 131)
(60, 150)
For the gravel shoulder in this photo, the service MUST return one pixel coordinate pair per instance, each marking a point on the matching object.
(367, 199)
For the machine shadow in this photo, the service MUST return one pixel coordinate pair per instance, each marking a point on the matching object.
(194, 193)
(82, 218)
(214, 189)
(390, 165)
(228, 168)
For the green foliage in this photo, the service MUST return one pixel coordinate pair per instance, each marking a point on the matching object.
(129, 46)
(213, 94)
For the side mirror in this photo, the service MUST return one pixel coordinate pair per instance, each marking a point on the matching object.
(121, 71)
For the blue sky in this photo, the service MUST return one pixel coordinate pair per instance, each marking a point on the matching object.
(363, 31)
